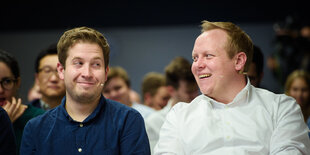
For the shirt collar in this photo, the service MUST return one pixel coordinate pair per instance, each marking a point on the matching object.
(241, 98)
(92, 116)
(44, 105)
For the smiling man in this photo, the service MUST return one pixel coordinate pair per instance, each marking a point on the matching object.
(85, 122)
(231, 116)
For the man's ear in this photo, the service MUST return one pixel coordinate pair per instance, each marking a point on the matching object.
(106, 73)
(240, 60)
(147, 97)
(171, 90)
(60, 70)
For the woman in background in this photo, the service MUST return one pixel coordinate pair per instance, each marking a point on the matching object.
(298, 86)
(18, 113)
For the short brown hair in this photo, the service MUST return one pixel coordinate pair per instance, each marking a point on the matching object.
(237, 41)
(152, 82)
(179, 69)
(118, 71)
(81, 34)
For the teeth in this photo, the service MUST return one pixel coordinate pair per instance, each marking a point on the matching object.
(204, 76)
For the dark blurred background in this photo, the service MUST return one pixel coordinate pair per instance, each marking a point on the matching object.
(144, 35)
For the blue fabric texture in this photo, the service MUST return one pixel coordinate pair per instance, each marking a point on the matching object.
(112, 128)
(7, 138)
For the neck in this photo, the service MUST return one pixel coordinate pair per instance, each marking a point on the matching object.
(80, 111)
(52, 102)
(231, 91)
(174, 101)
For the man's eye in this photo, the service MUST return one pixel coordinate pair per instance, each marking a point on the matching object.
(209, 55)
(78, 63)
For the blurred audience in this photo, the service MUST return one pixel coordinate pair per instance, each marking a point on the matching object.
(291, 48)
(19, 113)
(182, 87)
(34, 92)
(154, 90)
(117, 88)
(51, 87)
(298, 86)
(134, 96)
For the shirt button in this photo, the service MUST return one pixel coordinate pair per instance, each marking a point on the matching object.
(81, 125)
(80, 149)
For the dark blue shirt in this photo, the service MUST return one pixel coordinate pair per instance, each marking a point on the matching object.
(112, 128)
(7, 138)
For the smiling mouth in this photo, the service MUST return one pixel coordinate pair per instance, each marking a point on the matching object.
(204, 76)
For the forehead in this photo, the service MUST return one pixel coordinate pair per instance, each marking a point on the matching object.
(299, 82)
(116, 81)
(215, 38)
(49, 60)
(5, 70)
(85, 50)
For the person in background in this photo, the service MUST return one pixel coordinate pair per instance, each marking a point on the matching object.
(117, 88)
(231, 116)
(85, 122)
(255, 72)
(134, 96)
(182, 87)
(297, 85)
(7, 137)
(51, 87)
(154, 90)
(18, 113)
(34, 93)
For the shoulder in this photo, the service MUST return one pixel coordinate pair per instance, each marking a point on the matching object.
(195, 103)
(35, 103)
(269, 97)
(276, 104)
(144, 110)
(42, 118)
(119, 110)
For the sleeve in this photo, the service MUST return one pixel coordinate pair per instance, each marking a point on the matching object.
(7, 138)
(28, 144)
(152, 129)
(290, 135)
(134, 139)
(169, 142)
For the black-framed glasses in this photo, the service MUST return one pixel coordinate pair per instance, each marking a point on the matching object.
(7, 83)
(48, 71)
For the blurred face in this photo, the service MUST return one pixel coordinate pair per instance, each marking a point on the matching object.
(186, 91)
(212, 68)
(50, 85)
(160, 99)
(84, 72)
(117, 90)
(8, 86)
(300, 91)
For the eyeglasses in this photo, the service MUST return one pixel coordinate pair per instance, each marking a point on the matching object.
(7, 83)
(48, 71)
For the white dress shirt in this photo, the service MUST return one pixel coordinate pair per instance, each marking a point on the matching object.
(144, 110)
(255, 122)
(154, 122)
